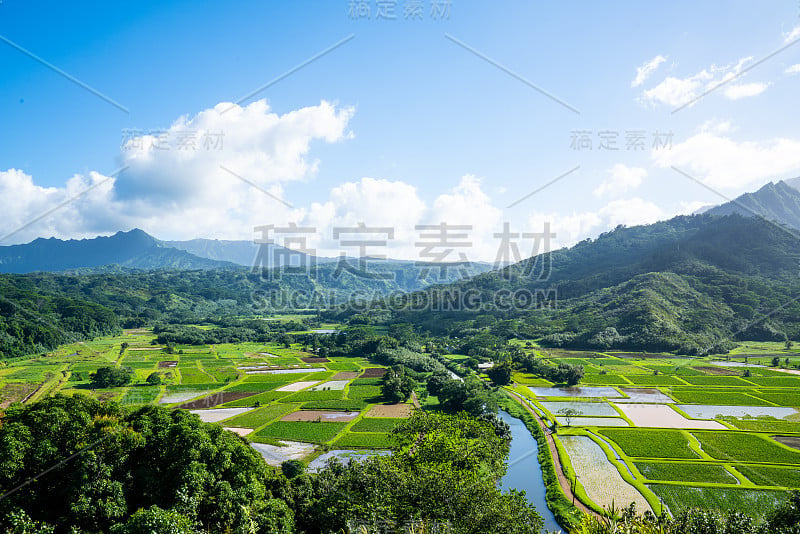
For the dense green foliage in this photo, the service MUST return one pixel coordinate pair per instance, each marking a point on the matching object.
(111, 377)
(443, 471)
(785, 519)
(100, 468)
(127, 461)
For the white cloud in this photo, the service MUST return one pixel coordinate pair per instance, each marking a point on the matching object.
(621, 179)
(572, 228)
(792, 35)
(724, 163)
(644, 72)
(396, 204)
(794, 69)
(735, 92)
(674, 91)
(183, 192)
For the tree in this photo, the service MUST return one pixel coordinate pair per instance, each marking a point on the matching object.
(154, 379)
(787, 516)
(500, 374)
(123, 347)
(109, 377)
(396, 386)
(570, 374)
(292, 468)
(788, 344)
(568, 414)
(435, 383)
(154, 520)
(776, 361)
(201, 471)
(443, 468)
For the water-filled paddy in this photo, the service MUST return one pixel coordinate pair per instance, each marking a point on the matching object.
(575, 392)
(332, 385)
(709, 411)
(600, 479)
(291, 450)
(287, 371)
(582, 408)
(645, 395)
(215, 415)
(345, 456)
(663, 416)
(593, 421)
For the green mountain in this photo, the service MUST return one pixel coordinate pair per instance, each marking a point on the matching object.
(134, 249)
(779, 202)
(690, 284)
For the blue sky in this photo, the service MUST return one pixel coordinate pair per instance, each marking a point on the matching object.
(399, 125)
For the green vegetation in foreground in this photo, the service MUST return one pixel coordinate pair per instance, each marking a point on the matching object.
(205, 479)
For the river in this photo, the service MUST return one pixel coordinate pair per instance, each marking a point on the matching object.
(524, 471)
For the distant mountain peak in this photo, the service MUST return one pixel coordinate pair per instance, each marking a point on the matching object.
(775, 201)
(133, 249)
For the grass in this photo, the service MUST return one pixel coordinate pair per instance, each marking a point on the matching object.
(755, 503)
(685, 472)
(645, 443)
(371, 440)
(301, 431)
(261, 416)
(739, 446)
(376, 424)
(770, 476)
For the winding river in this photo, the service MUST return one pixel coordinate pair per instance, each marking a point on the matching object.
(524, 471)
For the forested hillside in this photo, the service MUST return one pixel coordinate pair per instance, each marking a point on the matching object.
(691, 284)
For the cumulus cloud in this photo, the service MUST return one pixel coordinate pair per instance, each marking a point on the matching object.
(174, 183)
(794, 69)
(790, 36)
(621, 179)
(395, 204)
(724, 163)
(674, 91)
(648, 68)
(574, 227)
(743, 90)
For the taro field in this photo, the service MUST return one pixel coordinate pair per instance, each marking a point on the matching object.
(717, 432)
(289, 403)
